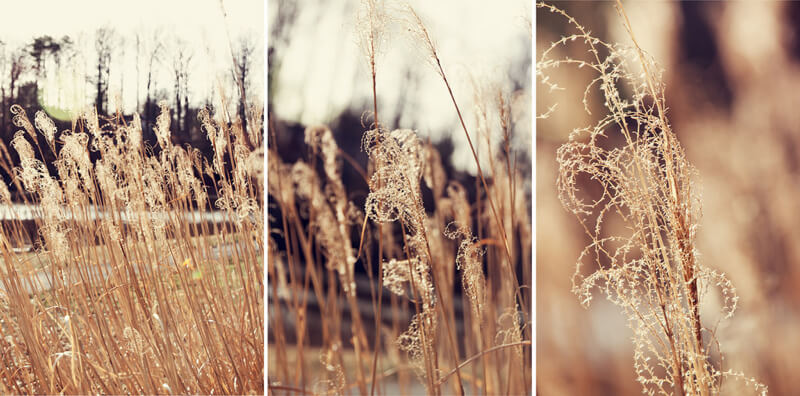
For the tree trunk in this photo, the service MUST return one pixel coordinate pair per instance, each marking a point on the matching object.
(177, 104)
(99, 99)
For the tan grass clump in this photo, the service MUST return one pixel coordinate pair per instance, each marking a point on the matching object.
(630, 169)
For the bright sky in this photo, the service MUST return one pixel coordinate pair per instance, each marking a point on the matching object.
(324, 72)
(199, 23)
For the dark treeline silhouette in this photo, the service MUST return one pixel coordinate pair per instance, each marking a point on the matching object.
(163, 66)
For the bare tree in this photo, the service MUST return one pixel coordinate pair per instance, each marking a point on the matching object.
(18, 66)
(139, 43)
(181, 56)
(4, 62)
(12, 64)
(63, 51)
(153, 48)
(39, 49)
(243, 60)
(105, 43)
(121, 44)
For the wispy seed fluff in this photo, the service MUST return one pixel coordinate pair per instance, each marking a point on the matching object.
(307, 187)
(469, 263)
(395, 196)
(31, 170)
(397, 275)
(371, 22)
(162, 125)
(135, 132)
(417, 340)
(74, 154)
(46, 126)
(216, 136)
(21, 120)
(509, 328)
(93, 125)
(395, 185)
(36, 179)
(5, 195)
(320, 139)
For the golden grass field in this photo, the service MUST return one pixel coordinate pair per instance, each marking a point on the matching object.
(125, 286)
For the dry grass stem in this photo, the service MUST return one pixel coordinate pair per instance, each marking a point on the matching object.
(629, 169)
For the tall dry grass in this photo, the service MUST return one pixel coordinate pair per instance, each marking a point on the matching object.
(406, 328)
(627, 180)
(141, 279)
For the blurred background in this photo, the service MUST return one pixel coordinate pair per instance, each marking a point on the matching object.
(732, 71)
(318, 74)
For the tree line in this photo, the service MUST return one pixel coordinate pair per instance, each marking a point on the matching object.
(77, 78)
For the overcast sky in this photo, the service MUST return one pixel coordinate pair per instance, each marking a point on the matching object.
(200, 23)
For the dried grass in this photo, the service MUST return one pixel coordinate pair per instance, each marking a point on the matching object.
(630, 169)
(130, 288)
(411, 252)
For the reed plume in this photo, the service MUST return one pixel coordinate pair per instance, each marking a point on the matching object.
(630, 169)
